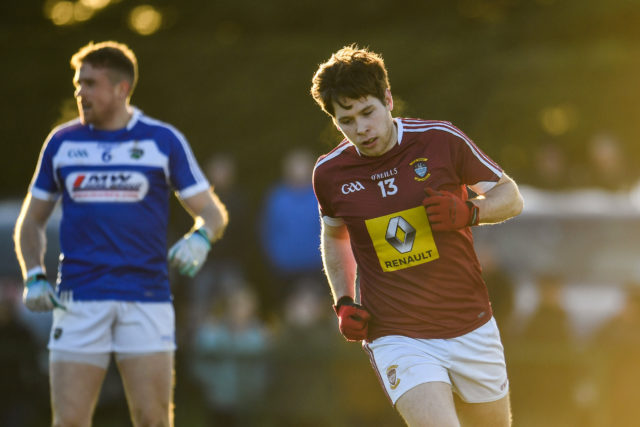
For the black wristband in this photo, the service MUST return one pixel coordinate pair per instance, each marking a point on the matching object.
(345, 300)
(35, 278)
(474, 212)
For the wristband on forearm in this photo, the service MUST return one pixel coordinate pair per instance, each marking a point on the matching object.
(474, 213)
(202, 232)
(344, 300)
(34, 274)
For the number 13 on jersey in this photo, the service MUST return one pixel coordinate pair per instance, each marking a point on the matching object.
(388, 187)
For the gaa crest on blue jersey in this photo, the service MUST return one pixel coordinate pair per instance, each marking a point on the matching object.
(420, 169)
(136, 152)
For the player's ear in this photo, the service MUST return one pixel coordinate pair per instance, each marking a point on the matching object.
(123, 88)
(388, 99)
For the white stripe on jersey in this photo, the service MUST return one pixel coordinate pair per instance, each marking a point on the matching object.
(43, 195)
(91, 153)
(335, 153)
(193, 164)
(196, 188)
(447, 127)
(332, 222)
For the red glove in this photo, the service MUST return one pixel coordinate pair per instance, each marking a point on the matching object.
(447, 212)
(352, 319)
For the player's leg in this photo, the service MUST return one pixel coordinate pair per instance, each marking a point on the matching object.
(144, 346)
(427, 405)
(75, 387)
(414, 374)
(79, 354)
(148, 383)
(479, 377)
(488, 414)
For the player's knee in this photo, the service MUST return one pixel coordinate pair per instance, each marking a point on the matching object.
(152, 416)
(70, 419)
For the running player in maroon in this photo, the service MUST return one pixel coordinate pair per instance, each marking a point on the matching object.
(394, 206)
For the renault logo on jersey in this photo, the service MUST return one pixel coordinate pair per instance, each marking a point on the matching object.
(352, 187)
(400, 234)
(107, 186)
(402, 239)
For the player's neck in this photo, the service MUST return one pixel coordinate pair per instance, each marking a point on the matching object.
(119, 120)
(393, 137)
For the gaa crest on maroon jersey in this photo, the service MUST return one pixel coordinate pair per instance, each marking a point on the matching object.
(420, 169)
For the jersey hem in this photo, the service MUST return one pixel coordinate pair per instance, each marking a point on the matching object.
(421, 335)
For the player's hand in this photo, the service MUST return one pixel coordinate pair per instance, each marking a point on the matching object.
(353, 319)
(447, 212)
(39, 295)
(190, 252)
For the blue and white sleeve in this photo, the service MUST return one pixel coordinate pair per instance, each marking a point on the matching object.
(185, 173)
(44, 184)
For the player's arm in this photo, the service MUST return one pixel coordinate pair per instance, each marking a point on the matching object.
(30, 237)
(30, 241)
(208, 212)
(501, 202)
(448, 212)
(210, 220)
(339, 262)
(340, 268)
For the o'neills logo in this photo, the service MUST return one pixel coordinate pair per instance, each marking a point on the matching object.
(107, 186)
(392, 376)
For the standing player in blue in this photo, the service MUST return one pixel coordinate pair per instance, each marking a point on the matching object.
(113, 169)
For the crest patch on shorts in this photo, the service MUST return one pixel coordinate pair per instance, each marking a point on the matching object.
(392, 376)
(57, 333)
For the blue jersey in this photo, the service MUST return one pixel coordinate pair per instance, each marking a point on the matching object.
(115, 188)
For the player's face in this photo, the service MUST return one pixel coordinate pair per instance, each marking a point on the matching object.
(99, 99)
(367, 123)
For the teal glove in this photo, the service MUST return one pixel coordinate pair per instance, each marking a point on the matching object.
(190, 252)
(39, 294)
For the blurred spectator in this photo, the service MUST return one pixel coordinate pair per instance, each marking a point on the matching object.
(23, 395)
(499, 285)
(544, 362)
(551, 166)
(609, 168)
(226, 260)
(290, 226)
(618, 344)
(319, 379)
(229, 359)
(306, 347)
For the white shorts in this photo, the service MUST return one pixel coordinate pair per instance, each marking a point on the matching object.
(92, 327)
(473, 364)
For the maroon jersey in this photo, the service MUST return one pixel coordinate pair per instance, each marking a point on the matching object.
(413, 281)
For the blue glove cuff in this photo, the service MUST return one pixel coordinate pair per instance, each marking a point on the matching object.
(202, 233)
(34, 278)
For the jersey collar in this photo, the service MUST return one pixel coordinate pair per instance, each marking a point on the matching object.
(400, 129)
(134, 118)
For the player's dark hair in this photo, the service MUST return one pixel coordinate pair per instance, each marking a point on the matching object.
(351, 72)
(112, 55)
